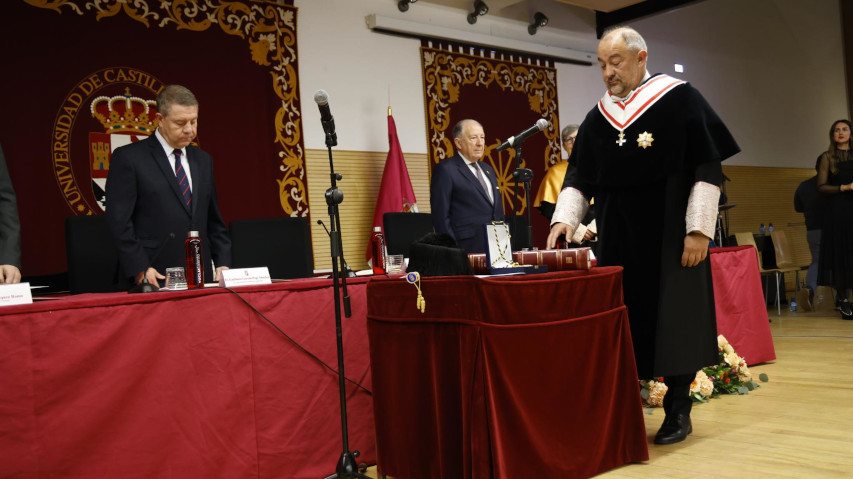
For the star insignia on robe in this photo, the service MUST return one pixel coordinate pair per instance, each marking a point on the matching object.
(645, 140)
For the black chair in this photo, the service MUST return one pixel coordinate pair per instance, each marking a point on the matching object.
(281, 244)
(92, 257)
(403, 229)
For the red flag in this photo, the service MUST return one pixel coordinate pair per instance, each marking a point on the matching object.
(395, 191)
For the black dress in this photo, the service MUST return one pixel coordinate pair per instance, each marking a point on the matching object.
(835, 267)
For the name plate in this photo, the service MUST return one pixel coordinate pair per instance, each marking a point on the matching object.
(15, 294)
(244, 276)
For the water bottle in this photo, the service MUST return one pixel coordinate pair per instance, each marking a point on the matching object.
(377, 250)
(770, 227)
(761, 229)
(195, 270)
(793, 305)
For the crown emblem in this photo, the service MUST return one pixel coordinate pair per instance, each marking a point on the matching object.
(125, 113)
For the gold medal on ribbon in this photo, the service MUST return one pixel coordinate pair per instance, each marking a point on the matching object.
(645, 140)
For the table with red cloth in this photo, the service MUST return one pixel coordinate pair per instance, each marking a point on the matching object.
(739, 301)
(187, 384)
(515, 376)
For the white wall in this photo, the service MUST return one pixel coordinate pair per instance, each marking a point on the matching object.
(772, 69)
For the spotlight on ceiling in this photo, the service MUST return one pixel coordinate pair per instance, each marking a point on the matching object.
(480, 9)
(403, 5)
(539, 20)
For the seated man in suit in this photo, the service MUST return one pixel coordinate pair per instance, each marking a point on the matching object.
(163, 186)
(464, 193)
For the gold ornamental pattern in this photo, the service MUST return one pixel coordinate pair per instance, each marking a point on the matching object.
(269, 29)
(446, 72)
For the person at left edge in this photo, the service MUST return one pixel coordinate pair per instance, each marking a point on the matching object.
(459, 202)
(144, 201)
(10, 228)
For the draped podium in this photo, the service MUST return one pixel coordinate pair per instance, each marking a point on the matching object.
(739, 302)
(191, 384)
(517, 376)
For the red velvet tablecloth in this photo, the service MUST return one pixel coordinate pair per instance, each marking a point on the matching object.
(508, 377)
(739, 301)
(191, 384)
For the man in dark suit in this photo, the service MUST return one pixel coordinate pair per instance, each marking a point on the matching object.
(10, 228)
(163, 186)
(464, 193)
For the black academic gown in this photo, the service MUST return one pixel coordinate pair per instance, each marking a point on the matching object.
(640, 204)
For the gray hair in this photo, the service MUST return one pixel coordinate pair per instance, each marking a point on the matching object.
(174, 95)
(457, 129)
(567, 132)
(633, 40)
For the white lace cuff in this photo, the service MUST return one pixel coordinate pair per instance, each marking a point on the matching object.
(571, 208)
(577, 238)
(702, 209)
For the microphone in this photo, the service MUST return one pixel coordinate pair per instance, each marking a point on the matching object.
(322, 99)
(145, 286)
(540, 125)
(348, 271)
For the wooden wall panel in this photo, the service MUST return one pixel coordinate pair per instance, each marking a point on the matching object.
(766, 195)
(362, 174)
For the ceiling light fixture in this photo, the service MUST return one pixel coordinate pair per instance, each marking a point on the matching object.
(403, 5)
(480, 9)
(539, 20)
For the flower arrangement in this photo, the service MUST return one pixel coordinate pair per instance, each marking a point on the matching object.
(729, 376)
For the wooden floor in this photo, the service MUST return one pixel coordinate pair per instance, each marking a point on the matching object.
(798, 425)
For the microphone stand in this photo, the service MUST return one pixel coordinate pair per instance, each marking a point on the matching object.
(346, 467)
(345, 266)
(524, 175)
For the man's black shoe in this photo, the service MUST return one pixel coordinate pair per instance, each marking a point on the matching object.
(675, 428)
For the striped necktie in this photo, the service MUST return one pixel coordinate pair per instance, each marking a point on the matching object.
(183, 182)
(483, 182)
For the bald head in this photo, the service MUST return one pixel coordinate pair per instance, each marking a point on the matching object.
(622, 55)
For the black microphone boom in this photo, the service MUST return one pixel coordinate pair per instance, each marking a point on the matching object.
(540, 125)
(326, 118)
(145, 286)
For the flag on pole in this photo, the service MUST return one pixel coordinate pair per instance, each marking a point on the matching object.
(395, 191)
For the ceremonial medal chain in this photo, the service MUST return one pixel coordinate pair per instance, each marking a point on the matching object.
(502, 252)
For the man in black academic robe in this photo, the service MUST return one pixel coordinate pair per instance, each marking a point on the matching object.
(650, 154)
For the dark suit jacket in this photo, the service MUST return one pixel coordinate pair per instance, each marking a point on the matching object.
(10, 226)
(459, 205)
(144, 206)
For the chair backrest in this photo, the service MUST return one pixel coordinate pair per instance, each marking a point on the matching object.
(784, 252)
(746, 239)
(92, 256)
(403, 229)
(281, 244)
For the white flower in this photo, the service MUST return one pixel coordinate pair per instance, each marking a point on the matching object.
(721, 341)
(732, 359)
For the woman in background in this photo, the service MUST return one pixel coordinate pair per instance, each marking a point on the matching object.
(552, 184)
(835, 179)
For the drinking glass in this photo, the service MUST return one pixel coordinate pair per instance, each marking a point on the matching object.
(176, 278)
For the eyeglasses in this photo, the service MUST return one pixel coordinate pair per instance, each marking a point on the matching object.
(570, 140)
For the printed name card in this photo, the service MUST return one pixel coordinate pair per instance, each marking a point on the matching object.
(15, 294)
(244, 277)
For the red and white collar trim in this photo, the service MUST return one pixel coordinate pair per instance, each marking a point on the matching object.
(621, 114)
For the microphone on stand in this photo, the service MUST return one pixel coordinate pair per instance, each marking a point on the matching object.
(145, 286)
(349, 271)
(326, 118)
(540, 125)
